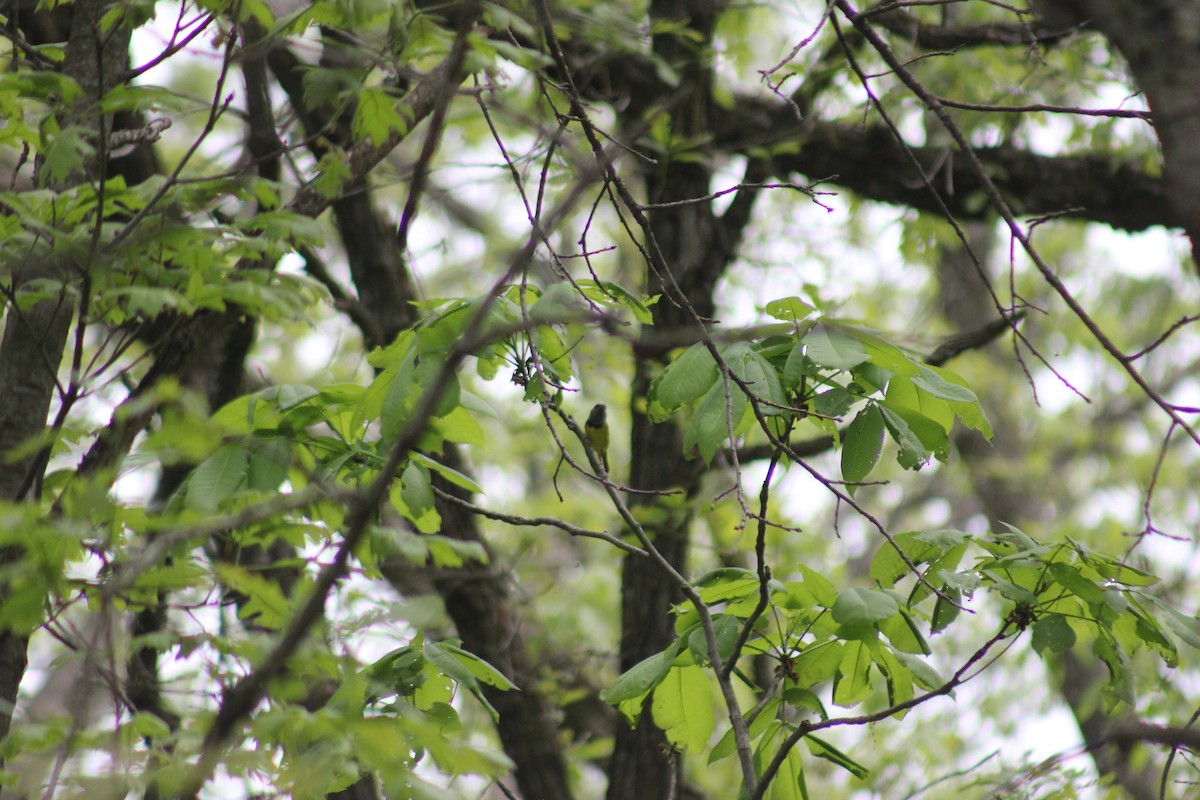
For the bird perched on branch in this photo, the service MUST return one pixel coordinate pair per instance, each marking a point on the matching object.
(596, 429)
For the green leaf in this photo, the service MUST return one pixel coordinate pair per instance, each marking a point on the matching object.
(862, 445)
(898, 677)
(788, 309)
(217, 478)
(727, 745)
(859, 606)
(798, 366)
(270, 460)
(1073, 581)
(1115, 571)
(708, 428)
(418, 499)
(903, 633)
(726, 628)
(817, 663)
(925, 675)
(921, 547)
(821, 587)
(683, 708)
(1148, 630)
(686, 380)
(642, 677)
(726, 583)
(1120, 671)
(932, 381)
(558, 302)
(917, 435)
(1052, 633)
(832, 347)
(614, 295)
(1187, 628)
(377, 115)
(852, 684)
(414, 374)
(789, 780)
(945, 609)
(445, 654)
(823, 749)
(758, 374)
(451, 475)
(264, 602)
(904, 393)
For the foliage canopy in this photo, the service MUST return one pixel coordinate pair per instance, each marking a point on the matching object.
(303, 302)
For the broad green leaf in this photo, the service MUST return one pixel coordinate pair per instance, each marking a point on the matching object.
(727, 630)
(789, 309)
(217, 478)
(558, 302)
(852, 684)
(477, 668)
(1117, 572)
(834, 403)
(898, 677)
(789, 780)
(377, 116)
(817, 663)
(932, 381)
(1187, 628)
(1052, 633)
(615, 295)
(263, 601)
(1148, 630)
(925, 675)
(726, 583)
(1070, 579)
(905, 393)
(798, 366)
(686, 380)
(821, 587)
(945, 609)
(727, 745)
(412, 379)
(832, 347)
(683, 708)
(759, 375)
(858, 606)
(823, 749)
(416, 492)
(902, 632)
(861, 446)
(1120, 671)
(270, 460)
(642, 677)
(917, 435)
(452, 476)
(708, 428)
(921, 547)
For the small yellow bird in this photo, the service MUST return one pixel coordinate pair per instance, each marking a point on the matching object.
(596, 429)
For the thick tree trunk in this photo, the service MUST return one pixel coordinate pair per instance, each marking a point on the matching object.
(693, 247)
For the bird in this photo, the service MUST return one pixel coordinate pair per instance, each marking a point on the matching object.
(596, 429)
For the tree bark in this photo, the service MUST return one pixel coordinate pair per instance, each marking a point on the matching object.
(695, 249)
